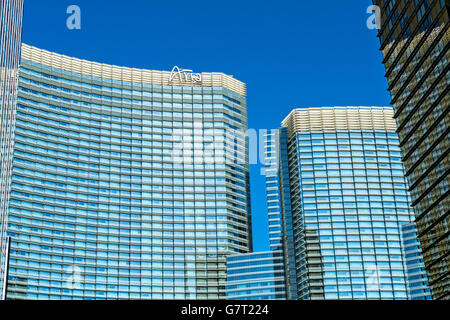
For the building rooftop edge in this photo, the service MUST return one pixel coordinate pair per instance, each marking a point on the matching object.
(113, 72)
(333, 118)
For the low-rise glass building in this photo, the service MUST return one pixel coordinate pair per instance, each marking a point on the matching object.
(256, 276)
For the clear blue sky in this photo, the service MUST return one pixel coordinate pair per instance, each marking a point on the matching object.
(291, 53)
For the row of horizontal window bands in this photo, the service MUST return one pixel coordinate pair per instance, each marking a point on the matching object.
(26, 130)
(25, 138)
(28, 72)
(26, 106)
(236, 219)
(18, 291)
(67, 235)
(129, 129)
(414, 33)
(34, 107)
(81, 177)
(36, 86)
(61, 224)
(112, 257)
(110, 296)
(336, 147)
(126, 171)
(103, 165)
(113, 198)
(124, 282)
(87, 183)
(36, 72)
(17, 286)
(349, 135)
(16, 294)
(121, 250)
(332, 143)
(124, 278)
(128, 124)
(108, 175)
(424, 97)
(141, 157)
(158, 259)
(178, 196)
(251, 265)
(125, 217)
(115, 191)
(116, 258)
(231, 199)
(372, 167)
(98, 203)
(220, 118)
(64, 108)
(342, 141)
(176, 203)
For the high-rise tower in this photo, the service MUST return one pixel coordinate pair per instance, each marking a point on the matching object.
(414, 38)
(126, 183)
(348, 201)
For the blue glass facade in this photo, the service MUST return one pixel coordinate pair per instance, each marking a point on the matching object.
(349, 201)
(256, 276)
(99, 207)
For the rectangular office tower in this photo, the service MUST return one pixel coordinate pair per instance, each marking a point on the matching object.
(344, 202)
(126, 183)
(11, 12)
(414, 38)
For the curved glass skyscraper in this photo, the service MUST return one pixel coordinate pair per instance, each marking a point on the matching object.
(127, 184)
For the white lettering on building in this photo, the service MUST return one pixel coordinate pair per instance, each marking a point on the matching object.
(185, 75)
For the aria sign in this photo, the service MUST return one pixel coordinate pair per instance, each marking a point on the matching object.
(185, 75)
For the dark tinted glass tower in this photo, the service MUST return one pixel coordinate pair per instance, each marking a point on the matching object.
(414, 38)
